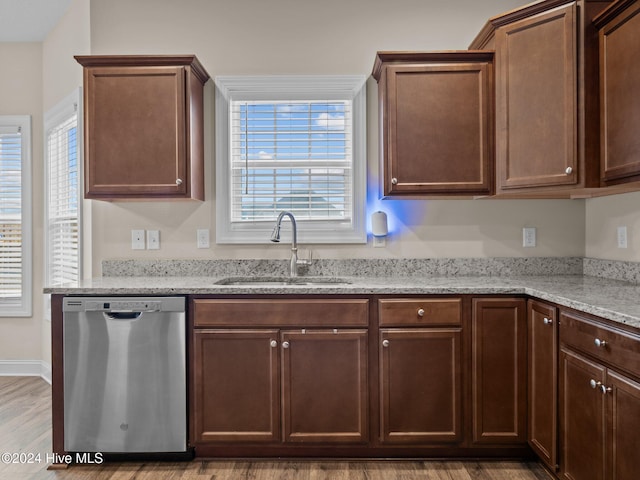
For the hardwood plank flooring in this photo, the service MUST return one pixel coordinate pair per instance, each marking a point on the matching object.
(25, 427)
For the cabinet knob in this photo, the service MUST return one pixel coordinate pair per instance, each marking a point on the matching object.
(547, 321)
(604, 389)
(274, 344)
(178, 181)
(285, 344)
(385, 343)
(394, 181)
(568, 170)
(421, 312)
(594, 384)
(600, 343)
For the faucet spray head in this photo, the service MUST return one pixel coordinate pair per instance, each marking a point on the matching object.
(275, 235)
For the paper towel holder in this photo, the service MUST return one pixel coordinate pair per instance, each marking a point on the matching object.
(379, 226)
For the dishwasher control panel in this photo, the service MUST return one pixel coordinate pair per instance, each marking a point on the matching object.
(123, 304)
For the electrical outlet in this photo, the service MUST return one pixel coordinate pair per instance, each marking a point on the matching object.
(379, 242)
(203, 237)
(529, 237)
(153, 239)
(137, 240)
(622, 236)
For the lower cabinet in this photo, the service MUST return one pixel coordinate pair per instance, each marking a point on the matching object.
(280, 385)
(420, 385)
(600, 406)
(499, 370)
(420, 370)
(542, 332)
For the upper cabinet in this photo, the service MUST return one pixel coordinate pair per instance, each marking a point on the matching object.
(619, 28)
(143, 127)
(547, 122)
(436, 122)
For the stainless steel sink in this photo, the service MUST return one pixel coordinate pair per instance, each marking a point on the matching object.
(281, 281)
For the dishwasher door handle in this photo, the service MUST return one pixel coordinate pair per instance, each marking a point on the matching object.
(123, 315)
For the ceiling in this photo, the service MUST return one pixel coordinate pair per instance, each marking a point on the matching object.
(29, 20)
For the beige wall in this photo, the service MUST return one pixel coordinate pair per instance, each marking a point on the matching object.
(21, 94)
(234, 37)
(603, 217)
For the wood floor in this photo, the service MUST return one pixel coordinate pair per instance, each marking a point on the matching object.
(25, 428)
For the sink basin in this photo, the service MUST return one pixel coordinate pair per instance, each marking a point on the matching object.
(282, 281)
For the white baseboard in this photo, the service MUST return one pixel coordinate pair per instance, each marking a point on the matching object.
(26, 368)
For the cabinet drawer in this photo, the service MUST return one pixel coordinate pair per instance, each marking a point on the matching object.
(420, 311)
(615, 348)
(315, 312)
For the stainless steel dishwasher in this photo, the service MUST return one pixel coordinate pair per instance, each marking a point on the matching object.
(125, 382)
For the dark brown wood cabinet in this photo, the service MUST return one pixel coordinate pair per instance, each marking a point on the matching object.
(236, 386)
(499, 370)
(436, 122)
(619, 31)
(542, 332)
(273, 385)
(547, 120)
(143, 127)
(420, 370)
(324, 386)
(600, 405)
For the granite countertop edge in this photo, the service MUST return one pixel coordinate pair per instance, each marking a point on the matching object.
(614, 300)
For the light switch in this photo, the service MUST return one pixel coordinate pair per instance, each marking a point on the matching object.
(153, 239)
(137, 240)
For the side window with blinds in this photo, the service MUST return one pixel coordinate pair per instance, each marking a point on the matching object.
(292, 144)
(63, 197)
(15, 216)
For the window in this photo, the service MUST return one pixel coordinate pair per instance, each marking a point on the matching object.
(294, 144)
(63, 198)
(15, 216)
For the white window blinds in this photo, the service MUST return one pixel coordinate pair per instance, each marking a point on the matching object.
(63, 161)
(294, 156)
(15, 217)
(10, 213)
(63, 202)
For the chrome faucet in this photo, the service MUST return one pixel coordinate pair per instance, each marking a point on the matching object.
(275, 237)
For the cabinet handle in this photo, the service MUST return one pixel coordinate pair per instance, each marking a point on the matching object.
(600, 343)
(274, 344)
(178, 181)
(547, 321)
(594, 384)
(568, 170)
(385, 343)
(421, 312)
(604, 389)
(285, 344)
(394, 181)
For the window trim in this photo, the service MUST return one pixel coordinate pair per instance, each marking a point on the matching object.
(25, 307)
(71, 104)
(264, 88)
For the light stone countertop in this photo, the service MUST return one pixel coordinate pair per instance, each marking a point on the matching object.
(614, 300)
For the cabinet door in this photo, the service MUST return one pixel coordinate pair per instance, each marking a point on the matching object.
(536, 91)
(543, 381)
(620, 96)
(624, 414)
(135, 139)
(235, 386)
(499, 370)
(324, 386)
(420, 385)
(438, 135)
(582, 418)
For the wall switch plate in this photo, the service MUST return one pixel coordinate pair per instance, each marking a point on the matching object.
(622, 236)
(203, 238)
(137, 240)
(153, 239)
(529, 237)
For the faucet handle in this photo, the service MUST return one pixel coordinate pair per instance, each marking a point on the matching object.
(305, 261)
